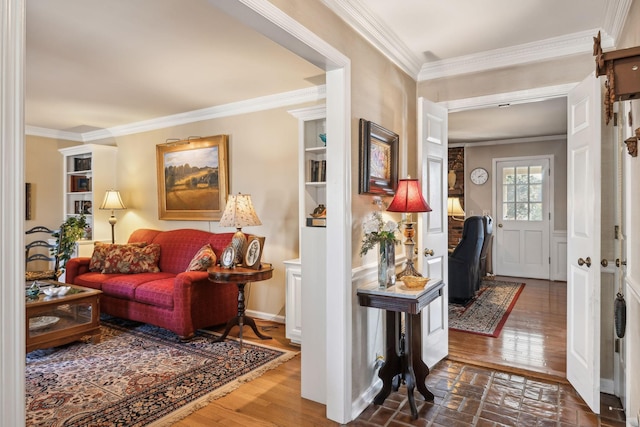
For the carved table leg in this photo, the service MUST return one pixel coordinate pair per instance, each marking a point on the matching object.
(420, 369)
(392, 364)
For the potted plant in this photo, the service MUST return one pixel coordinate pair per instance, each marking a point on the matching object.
(72, 230)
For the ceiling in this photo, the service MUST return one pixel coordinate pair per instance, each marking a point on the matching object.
(95, 65)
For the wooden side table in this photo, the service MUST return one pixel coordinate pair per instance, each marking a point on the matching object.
(403, 359)
(240, 276)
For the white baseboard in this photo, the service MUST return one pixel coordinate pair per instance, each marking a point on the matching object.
(266, 316)
(606, 386)
(363, 401)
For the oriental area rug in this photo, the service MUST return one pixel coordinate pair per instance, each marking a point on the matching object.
(488, 311)
(137, 375)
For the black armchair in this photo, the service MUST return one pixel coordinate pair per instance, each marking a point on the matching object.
(487, 222)
(464, 261)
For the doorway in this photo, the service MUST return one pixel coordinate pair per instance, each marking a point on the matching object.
(522, 190)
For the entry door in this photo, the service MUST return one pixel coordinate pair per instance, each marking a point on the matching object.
(583, 240)
(432, 241)
(522, 234)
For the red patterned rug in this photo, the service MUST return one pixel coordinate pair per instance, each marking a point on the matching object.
(137, 375)
(488, 311)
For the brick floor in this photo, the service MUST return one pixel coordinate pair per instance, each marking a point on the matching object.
(467, 395)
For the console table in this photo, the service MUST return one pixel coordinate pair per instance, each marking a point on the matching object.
(240, 276)
(403, 359)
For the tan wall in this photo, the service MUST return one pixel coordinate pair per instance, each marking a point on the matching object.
(43, 170)
(380, 92)
(478, 198)
(263, 162)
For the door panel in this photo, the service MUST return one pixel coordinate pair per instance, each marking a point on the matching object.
(583, 240)
(523, 191)
(432, 158)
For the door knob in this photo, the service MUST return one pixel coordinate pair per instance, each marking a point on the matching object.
(428, 252)
(605, 262)
(582, 262)
(500, 225)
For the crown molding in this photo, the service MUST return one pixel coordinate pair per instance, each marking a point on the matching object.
(616, 12)
(555, 47)
(377, 33)
(263, 103)
(53, 133)
(492, 142)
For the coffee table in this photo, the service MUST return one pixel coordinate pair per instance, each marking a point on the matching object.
(56, 320)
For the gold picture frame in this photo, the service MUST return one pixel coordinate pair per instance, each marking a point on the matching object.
(253, 252)
(193, 178)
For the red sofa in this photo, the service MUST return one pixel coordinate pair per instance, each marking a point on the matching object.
(175, 299)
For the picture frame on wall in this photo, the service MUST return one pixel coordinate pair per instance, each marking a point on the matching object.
(378, 166)
(253, 252)
(193, 178)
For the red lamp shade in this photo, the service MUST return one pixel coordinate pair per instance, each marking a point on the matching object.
(408, 198)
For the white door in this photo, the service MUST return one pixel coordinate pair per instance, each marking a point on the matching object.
(583, 240)
(522, 217)
(432, 239)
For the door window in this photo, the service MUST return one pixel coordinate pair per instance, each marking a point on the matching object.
(522, 193)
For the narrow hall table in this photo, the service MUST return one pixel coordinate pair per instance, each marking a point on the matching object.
(403, 359)
(240, 276)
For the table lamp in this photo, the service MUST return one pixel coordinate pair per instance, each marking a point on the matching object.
(408, 199)
(112, 201)
(454, 209)
(239, 213)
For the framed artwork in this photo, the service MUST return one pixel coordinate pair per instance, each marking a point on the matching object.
(253, 253)
(378, 160)
(227, 258)
(27, 199)
(193, 178)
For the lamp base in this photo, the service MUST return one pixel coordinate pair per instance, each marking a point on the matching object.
(409, 270)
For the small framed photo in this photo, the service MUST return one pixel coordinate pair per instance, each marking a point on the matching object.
(253, 252)
(227, 258)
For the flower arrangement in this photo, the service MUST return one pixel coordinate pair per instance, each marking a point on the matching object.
(376, 230)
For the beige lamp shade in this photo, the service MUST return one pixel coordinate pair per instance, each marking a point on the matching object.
(112, 201)
(454, 208)
(239, 212)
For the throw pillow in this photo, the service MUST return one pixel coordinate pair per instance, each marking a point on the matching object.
(130, 259)
(100, 251)
(203, 259)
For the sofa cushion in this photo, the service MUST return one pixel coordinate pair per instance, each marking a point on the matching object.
(125, 285)
(93, 279)
(157, 292)
(131, 259)
(202, 260)
(101, 250)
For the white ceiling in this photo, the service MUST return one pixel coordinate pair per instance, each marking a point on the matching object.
(95, 64)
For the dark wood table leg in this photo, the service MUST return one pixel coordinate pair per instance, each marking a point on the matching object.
(391, 369)
(420, 369)
(241, 319)
(409, 376)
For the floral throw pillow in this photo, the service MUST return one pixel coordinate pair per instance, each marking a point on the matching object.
(130, 259)
(100, 251)
(203, 259)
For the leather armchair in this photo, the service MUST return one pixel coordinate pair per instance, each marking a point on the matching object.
(464, 261)
(487, 223)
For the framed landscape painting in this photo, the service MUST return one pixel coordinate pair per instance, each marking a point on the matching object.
(193, 178)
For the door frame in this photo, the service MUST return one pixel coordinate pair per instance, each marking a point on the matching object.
(550, 197)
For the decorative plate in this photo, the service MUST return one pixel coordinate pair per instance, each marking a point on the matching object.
(41, 322)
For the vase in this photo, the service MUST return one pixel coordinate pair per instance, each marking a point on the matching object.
(386, 265)
(451, 179)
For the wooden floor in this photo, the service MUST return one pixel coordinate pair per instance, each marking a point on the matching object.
(533, 339)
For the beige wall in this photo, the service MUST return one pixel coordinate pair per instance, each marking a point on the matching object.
(478, 198)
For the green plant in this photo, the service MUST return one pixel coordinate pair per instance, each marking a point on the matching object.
(70, 232)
